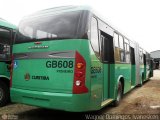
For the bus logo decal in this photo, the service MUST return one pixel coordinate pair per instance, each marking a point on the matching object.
(27, 76)
(40, 77)
(15, 64)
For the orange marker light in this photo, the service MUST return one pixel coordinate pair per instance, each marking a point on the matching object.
(80, 65)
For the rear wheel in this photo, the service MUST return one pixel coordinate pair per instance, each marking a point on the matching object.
(119, 94)
(4, 94)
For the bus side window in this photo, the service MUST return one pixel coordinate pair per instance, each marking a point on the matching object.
(127, 51)
(117, 50)
(121, 46)
(147, 61)
(94, 36)
(141, 56)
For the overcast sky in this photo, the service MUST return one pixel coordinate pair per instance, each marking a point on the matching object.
(139, 20)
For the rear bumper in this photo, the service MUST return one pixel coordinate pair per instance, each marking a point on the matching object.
(59, 101)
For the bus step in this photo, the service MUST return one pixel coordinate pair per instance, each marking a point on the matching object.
(106, 102)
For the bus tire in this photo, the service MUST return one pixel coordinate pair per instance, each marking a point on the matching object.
(4, 94)
(119, 94)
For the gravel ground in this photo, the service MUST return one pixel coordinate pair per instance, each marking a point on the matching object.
(141, 100)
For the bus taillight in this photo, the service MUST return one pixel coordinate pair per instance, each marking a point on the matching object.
(79, 65)
(79, 86)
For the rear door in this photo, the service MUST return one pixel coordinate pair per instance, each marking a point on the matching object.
(133, 68)
(107, 55)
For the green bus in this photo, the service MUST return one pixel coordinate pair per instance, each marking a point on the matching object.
(7, 31)
(67, 58)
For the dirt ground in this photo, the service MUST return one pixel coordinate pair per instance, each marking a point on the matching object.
(141, 100)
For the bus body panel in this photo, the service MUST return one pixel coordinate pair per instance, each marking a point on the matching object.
(4, 70)
(59, 101)
(106, 81)
(142, 73)
(133, 75)
(60, 84)
(43, 78)
(96, 81)
(125, 71)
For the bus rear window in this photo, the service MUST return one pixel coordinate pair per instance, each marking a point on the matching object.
(49, 27)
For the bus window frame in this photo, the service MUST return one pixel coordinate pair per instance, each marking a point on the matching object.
(125, 41)
(127, 50)
(98, 34)
(141, 55)
(110, 57)
(116, 47)
(115, 40)
(122, 49)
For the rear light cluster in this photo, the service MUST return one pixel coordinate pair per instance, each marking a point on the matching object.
(79, 86)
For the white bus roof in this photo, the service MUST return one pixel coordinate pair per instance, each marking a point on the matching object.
(57, 10)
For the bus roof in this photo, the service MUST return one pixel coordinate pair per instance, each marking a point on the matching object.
(7, 24)
(57, 10)
(66, 8)
(62, 9)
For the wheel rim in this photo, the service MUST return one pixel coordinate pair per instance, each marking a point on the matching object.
(1, 94)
